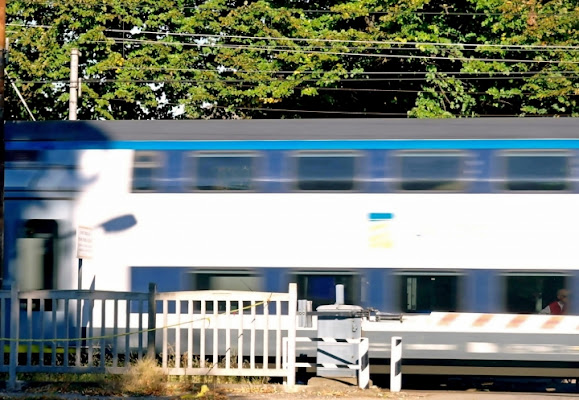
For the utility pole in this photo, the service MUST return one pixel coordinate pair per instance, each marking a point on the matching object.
(2, 138)
(74, 84)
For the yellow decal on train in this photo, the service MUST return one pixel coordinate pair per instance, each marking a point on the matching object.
(379, 230)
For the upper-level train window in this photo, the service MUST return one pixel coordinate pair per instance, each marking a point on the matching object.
(326, 171)
(428, 291)
(530, 292)
(146, 167)
(431, 170)
(22, 156)
(225, 171)
(42, 171)
(536, 170)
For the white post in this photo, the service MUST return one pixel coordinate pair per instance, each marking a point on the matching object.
(291, 335)
(396, 364)
(364, 364)
(73, 98)
(339, 294)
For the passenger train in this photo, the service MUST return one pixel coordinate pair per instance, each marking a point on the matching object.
(411, 216)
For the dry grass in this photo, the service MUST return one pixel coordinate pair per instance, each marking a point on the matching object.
(144, 378)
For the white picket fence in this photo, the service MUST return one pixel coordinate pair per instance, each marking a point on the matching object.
(226, 333)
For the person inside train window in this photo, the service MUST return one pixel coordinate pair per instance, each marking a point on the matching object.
(558, 306)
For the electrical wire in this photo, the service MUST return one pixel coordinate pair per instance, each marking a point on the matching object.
(261, 79)
(334, 53)
(297, 72)
(362, 113)
(245, 85)
(463, 46)
(381, 42)
(443, 12)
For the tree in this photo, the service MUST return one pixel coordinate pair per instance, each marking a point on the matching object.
(286, 59)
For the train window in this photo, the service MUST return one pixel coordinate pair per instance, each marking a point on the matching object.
(146, 167)
(536, 170)
(243, 280)
(431, 170)
(226, 280)
(225, 171)
(22, 156)
(326, 171)
(428, 291)
(320, 286)
(33, 171)
(529, 293)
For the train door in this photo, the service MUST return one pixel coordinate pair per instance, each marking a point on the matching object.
(36, 267)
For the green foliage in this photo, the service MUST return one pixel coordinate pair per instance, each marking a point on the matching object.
(447, 98)
(144, 59)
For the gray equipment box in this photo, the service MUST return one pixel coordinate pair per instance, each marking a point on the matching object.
(338, 321)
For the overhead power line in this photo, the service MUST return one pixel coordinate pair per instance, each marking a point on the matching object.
(321, 52)
(249, 85)
(374, 113)
(297, 72)
(445, 11)
(378, 42)
(247, 81)
(337, 112)
(463, 46)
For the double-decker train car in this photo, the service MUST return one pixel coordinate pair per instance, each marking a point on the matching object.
(411, 216)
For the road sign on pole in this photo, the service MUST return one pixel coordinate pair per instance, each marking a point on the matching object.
(83, 248)
(84, 242)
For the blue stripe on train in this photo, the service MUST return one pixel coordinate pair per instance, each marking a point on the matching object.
(298, 144)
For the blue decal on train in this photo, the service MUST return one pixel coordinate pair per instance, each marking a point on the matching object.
(380, 216)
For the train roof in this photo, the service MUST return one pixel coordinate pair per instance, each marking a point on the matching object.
(295, 129)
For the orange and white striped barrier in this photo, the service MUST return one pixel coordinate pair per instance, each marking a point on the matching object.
(503, 322)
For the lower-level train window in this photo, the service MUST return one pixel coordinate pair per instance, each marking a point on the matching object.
(234, 280)
(320, 286)
(226, 280)
(529, 293)
(427, 291)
